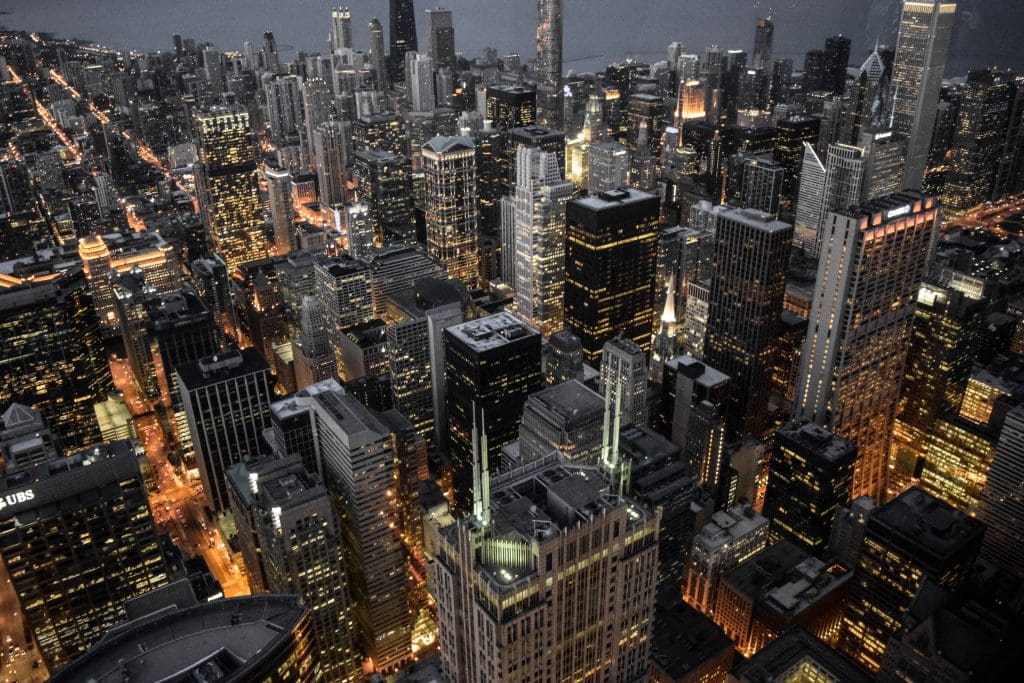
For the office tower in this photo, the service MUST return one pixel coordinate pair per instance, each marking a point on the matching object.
(359, 230)
(341, 29)
(731, 537)
(611, 592)
(227, 404)
(379, 131)
(510, 106)
(832, 185)
(213, 65)
(860, 325)
(693, 335)
(800, 653)
(360, 452)
(810, 477)
(441, 37)
(942, 351)
(538, 239)
(562, 358)
(52, 358)
(1000, 506)
(270, 57)
(815, 72)
(763, 37)
(171, 633)
(227, 181)
(415, 350)
(761, 184)
(610, 267)
(608, 167)
(401, 35)
(790, 150)
(847, 536)
(313, 355)
(71, 585)
(452, 206)
(396, 268)
(957, 460)
(492, 365)
(624, 379)
(419, 83)
(926, 28)
(565, 418)
(284, 108)
(378, 59)
(885, 156)
(686, 385)
(331, 140)
(837, 58)
(130, 293)
(979, 141)
(535, 137)
(549, 62)
(867, 104)
(689, 102)
(342, 287)
(750, 256)
(910, 540)
(643, 165)
(384, 182)
(282, 213)
(291, 537)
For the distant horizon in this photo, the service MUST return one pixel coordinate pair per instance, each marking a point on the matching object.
(592, 41)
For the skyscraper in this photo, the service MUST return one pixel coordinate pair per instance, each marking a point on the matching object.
(378, 60)
(910, 540)
(78, 539)
(518, 546)
(751, 251)
(811, 476)
(729, 538)
(227, 405)
(295, 545)
(763, 38)
(869, 273)
(384, 183)
(227, 181)
(834, 185)
(1000, 506)
(610, 267)
(926, 28)
(341, 29)
(538, 239)
(282, 213)
(492, 365)
(420, 82)
(608, 167)
(452, 206)
(510, 106)
(331, 140)
(549, 61)
(624, 379)
(401, 35)
(441, 37)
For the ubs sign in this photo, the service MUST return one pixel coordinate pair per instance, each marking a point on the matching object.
(16, 498)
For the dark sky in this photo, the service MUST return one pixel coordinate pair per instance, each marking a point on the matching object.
(989, 31)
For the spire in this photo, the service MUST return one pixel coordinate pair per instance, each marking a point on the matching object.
(668, 314)
(481, 476)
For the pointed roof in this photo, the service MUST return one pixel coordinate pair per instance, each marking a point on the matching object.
(442, 144)
(17, 415)
(873, 66)
(668, 315)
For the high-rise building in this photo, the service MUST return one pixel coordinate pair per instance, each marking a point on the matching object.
(539, 513)
(510, 106)
(341, 29)
(837, 58)
(926, 29)
(284, 108)
(331, 140)
(624, 379)
(282, 213)
(549, 62)
(77, 540)
(227, 181)
(492, 365)
(52, 358)
(401, 35)
(396, 268)
(871, 267)
(227, 404)
(342, 287)
(452, 206)
(361, 454)
(538, 239)
(419, 82)
(763, 38)
(979, 141)
(731, 537)
(566, 418)
(608, 167)
(1000, 506)
(384, 182)
(291, 538)
(751, 252)
(441, 37)
(811, 475)
(910, 540)
(832, 185)
(562, 358)
(610, 268)
(172, 634)
(378, 58)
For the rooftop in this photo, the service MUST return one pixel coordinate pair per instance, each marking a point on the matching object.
(929, 523)
(491, 332)
(817, 441)
(798, 655)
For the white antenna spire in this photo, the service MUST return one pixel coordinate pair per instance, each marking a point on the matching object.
(477, 488)
(485, 475)
(605, 441)
(892, 116)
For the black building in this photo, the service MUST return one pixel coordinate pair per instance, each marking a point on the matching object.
(401, 37)
(510, 106)
(610, 265)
